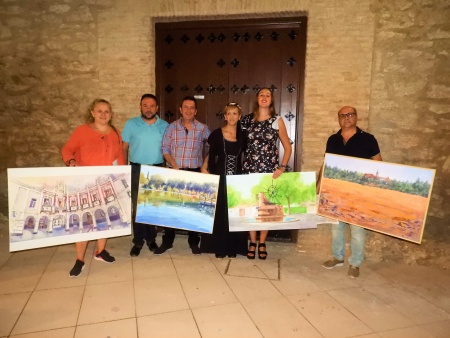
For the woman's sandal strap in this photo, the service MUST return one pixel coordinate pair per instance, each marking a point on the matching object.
(262, 254)
(251, 254)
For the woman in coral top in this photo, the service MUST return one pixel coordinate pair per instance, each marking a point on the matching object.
(96, 143)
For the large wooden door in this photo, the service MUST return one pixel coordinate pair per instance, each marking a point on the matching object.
(228, 61)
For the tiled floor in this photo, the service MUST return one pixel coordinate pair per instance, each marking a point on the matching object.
(181, 295)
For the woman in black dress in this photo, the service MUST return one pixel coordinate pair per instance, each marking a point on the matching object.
(225, 152)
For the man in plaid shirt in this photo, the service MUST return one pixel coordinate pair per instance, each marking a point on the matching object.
(182, 148)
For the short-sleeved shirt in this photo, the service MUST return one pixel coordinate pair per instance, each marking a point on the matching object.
(362, 145)
(185, 146)
(144, 140)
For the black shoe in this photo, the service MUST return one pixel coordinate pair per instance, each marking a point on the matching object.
(232, 256)
(196, 250)
(77, 268)
(220, 256)
(135, 250)
(152, 246)
(104, 256)
(163, 248)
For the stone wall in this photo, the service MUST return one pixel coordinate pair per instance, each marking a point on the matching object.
(387, 60)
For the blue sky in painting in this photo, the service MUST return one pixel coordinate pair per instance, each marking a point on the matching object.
(393, 171)
(244, 183)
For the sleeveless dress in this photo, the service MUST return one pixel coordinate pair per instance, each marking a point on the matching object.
(261, 155)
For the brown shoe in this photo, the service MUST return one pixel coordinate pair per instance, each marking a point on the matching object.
(332, 263)
(353, 271)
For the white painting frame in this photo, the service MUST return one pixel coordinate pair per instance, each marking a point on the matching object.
(60, 205)
(244, 212)
(175, 199)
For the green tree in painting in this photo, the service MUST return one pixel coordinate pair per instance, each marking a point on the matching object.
(233, 197)
(142, 179)
(285, 190)
(156, 181)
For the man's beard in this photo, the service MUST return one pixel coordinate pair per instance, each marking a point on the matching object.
(148, 118)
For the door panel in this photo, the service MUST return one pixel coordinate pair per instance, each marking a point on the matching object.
(228, 61)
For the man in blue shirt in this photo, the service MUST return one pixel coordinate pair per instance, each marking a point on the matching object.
(142, 138)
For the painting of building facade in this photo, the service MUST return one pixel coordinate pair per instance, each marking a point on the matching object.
(389, 198)
(259, 202)
(177, 199)
(53, 206)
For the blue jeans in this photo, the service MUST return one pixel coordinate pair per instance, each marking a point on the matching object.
(358, 239)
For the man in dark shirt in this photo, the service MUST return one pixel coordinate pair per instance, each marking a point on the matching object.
(350, 141)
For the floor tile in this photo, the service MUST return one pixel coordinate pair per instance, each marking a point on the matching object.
(23, 270)
(11, 307)
(326, 280)
(56, 275)
(153, 267)
(168, 325)
(182, 295)
(189, 263)
(228, 320)
(438, 329)
(61, 305)
(408, 332)
(414, 307)
(67, 332)
(329, 317)
(107, 302)
(430, 283)
(159, 295)
(267, 269)
(125, 328)
(277, 317)
(247, 289)
(206, 289)
(372, 311)
(119, 271)
(293, 281)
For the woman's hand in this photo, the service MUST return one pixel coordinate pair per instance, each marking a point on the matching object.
(277, 173)
(72, 163)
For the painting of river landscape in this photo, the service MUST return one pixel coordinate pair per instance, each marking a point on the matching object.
(385, 197)
(259, 202)
(177, 199)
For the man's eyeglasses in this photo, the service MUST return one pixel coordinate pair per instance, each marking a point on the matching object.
(349, 115)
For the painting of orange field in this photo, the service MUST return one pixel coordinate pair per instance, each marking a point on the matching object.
(392, 212)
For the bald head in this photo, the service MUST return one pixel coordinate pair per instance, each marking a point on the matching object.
(347, 109)
(347, 118)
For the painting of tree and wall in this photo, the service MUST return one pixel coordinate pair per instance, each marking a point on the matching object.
(259, 202)
(389, 198)
(177, 199)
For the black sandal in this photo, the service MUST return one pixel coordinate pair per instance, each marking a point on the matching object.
(262, 254)
(251, 254)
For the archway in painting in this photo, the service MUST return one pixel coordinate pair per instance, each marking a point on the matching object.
(100, 219)
(74, 221)
(43, 223)
(29, 223)
(114, 215)
(88, 222)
